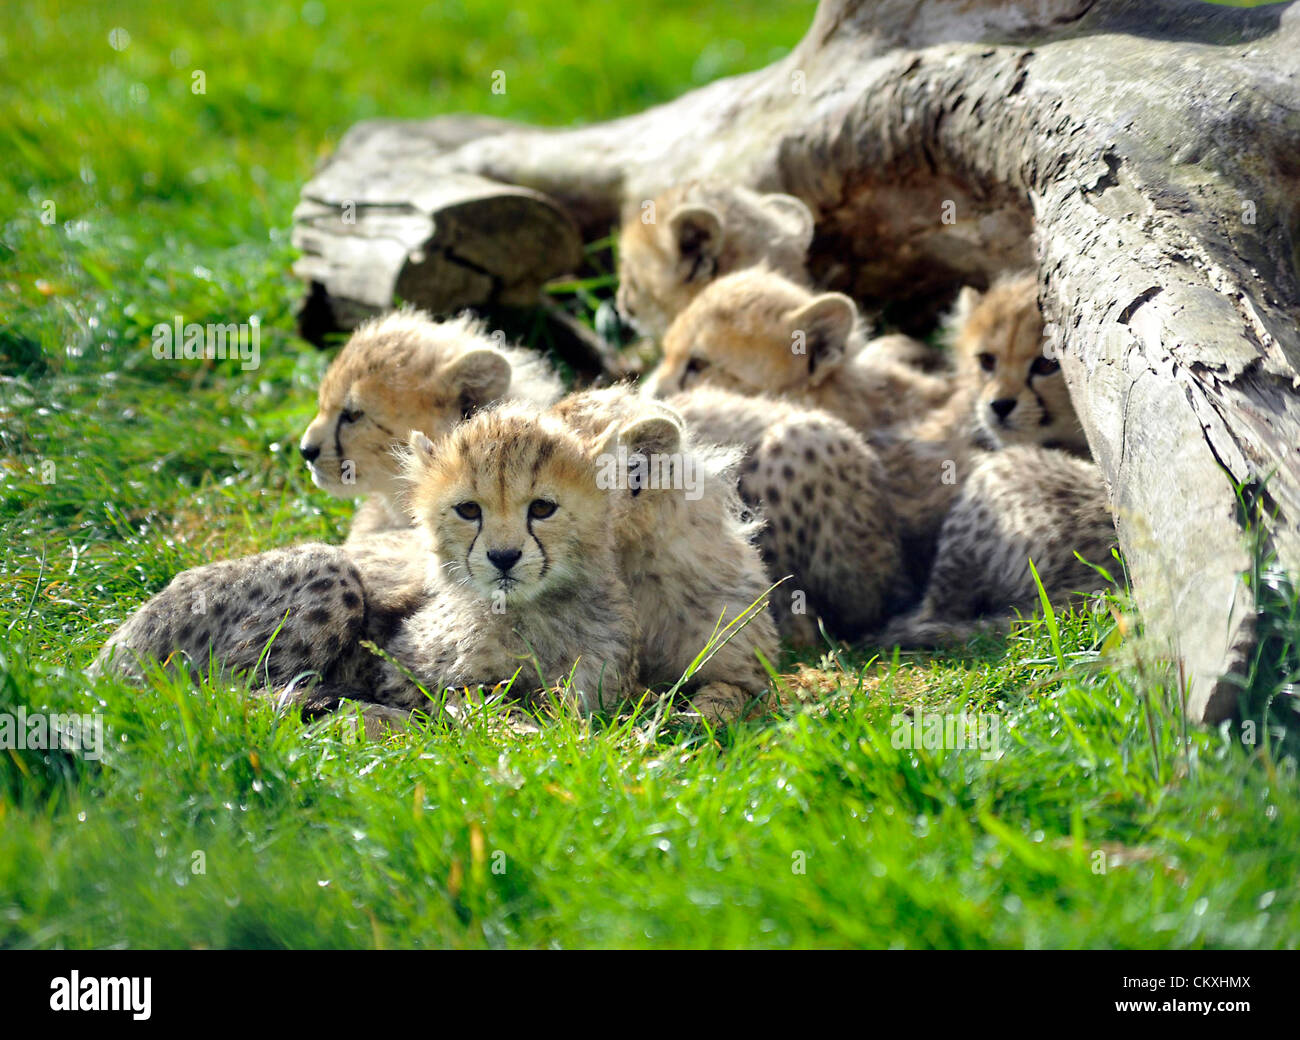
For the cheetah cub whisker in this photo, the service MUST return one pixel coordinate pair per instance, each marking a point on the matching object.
(401, 372)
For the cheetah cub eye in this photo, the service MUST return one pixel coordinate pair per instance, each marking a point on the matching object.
(1044, 366)
(540, 509)
(988, 362)
(468, 510)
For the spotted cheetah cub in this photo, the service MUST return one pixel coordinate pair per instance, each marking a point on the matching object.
(273, 615)
(671, 247)
(1007, 392)
(402, 372)
(519, 575)
(829, 523)
(757, 332)
(1026, 499)
(1011, 391)
(527, 572)
(685, 553)
(1020, 504)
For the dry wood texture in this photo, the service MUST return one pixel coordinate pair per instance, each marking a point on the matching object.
(1153, 146)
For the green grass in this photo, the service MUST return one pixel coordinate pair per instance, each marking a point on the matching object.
(805, 827)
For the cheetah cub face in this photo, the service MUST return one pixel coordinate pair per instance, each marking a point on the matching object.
(671, 248)
(756, 332)
(512, 504)
(1020, 394)
(397, 373)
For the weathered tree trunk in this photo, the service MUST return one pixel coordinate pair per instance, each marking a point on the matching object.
(1152, 145)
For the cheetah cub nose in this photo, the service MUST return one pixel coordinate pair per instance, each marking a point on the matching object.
(310, 452)
(504, 559)
(1003, 406)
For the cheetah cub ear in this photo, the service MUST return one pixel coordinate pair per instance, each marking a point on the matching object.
(697, 232)
(963, 307)
(421, 454)
(656, 438)
(480, 377)
(827, 322)
(416, 462)
(651, 435)
(795, 218)
(658, 431)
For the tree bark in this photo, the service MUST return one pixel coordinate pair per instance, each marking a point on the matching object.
(1151, 146)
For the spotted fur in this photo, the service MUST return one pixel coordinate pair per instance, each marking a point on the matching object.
(1022, 503)
(1021, 494)
(829, 522)
(274, 615)
(756, 333)
(449, 601)
(685, 552)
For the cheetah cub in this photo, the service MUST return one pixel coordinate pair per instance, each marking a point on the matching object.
(1013, 392)
(695, 232)
(757, 332)
(829, 524)
(273, 615)
(1019, 504)
(402, 372)
(527, 574)
(1028, 498)
(519, 575)
(1007, 392)
(684, 551)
